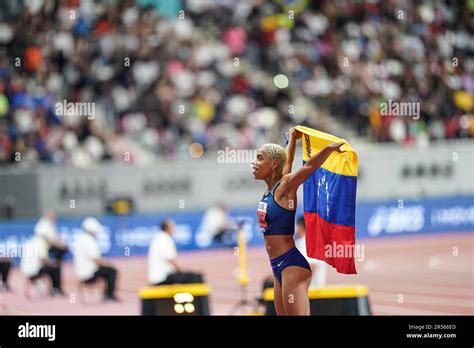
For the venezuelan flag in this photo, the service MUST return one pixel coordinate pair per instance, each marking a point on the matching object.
(329, 202)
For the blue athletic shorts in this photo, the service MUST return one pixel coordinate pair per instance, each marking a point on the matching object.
(292, 257)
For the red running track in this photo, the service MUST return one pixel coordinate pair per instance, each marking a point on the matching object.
(415, 275)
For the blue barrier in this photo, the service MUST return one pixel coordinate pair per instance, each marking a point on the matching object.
(131, 235)
(402, 217)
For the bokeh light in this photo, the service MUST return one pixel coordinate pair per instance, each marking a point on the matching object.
(281, 81)
(196, 150)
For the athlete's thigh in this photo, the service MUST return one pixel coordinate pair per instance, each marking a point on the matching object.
(295, 284)
(277, 298)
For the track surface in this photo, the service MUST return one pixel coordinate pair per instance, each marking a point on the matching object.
(406, 276)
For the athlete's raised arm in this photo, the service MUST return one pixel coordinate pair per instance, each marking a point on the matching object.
(290, 150)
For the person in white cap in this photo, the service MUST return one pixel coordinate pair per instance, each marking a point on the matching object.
(88, 263)
(46, 227)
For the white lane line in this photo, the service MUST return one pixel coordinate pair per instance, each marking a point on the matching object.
(389, 283)
(423, 299)
(406, 311)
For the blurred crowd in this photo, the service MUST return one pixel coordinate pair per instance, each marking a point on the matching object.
(164, 74)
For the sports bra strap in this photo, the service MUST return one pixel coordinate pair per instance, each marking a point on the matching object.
(272, 191)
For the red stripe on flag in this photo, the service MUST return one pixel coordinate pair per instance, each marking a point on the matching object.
(332, 243)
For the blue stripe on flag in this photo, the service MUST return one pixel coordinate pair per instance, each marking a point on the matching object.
(332, 196)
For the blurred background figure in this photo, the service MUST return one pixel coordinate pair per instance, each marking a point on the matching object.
(218, 226)
(163, 266)
(5, 266)
(46, 227)
(35, 263)
(318, 267)
(88, 263)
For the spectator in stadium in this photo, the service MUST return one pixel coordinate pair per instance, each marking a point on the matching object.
(141, 67)
(163, 266)
(35, 263)
(88, 263)
(318, 268)
(46, 227)
(5, 266)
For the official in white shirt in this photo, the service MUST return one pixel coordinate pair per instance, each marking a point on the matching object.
(35, 262)
(46, 227)
(88, 263)
(163, 267)
(319, 268)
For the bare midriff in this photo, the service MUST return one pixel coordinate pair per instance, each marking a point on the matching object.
(278, 244)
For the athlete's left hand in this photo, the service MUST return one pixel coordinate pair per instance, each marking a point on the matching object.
(336, 146)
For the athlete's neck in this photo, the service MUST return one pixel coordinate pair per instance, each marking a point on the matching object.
(272, 180)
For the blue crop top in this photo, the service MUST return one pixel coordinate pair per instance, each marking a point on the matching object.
(272, 218)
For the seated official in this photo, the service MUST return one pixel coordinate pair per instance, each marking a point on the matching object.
(5, 266)
(88, 263)
(163, 267)
(218, 226)
(36, 263)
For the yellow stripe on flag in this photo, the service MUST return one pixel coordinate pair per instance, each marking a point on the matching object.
(345, 163)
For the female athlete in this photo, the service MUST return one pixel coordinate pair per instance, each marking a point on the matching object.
(276, 218)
